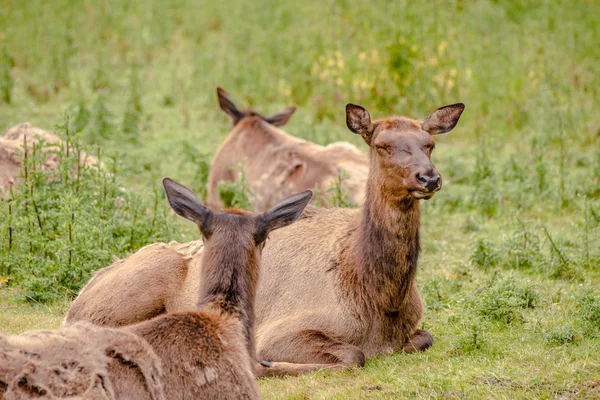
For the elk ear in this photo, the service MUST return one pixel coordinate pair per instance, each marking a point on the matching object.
(282, 214)
(359, 121)
(228, 106)
(185, 204)
(443, 119)
(281, 118)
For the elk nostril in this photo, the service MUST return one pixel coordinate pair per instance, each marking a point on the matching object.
(422, 179)
(433, 183)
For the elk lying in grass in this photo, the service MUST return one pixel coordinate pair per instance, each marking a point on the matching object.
(214, 349)
(277, 164)
(358, 298)
(209, 353)
(23, 137)
(335, 288)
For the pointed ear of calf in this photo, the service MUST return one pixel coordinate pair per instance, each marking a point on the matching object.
(282, 214)
(185, 204)
(359, 121)
(281, 118)
(443, 119)
(228, 106)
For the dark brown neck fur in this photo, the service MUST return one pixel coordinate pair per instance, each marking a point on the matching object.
(230, 284)
(385, 249)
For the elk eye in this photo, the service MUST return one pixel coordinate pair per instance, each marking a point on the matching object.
(383, 148)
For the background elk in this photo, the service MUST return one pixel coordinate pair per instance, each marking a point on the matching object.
(277, 164)
(13, 143)
(337, 287)
(209, 353)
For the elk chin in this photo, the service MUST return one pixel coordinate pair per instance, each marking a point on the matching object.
(421, 194)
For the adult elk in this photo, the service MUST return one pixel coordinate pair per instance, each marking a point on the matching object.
(339, 286)
(277, 164)
(335, 288)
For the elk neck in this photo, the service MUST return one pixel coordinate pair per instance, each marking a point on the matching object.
(228, 284)
(385, 248)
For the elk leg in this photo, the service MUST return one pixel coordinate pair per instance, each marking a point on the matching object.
(290, 369)
(419, 341)
(307, 350)
(411, 314)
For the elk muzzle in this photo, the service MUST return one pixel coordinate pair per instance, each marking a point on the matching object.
(431, 181)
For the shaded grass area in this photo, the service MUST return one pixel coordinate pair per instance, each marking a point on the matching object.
(510, 266)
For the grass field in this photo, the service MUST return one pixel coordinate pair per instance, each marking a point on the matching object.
(510, 266)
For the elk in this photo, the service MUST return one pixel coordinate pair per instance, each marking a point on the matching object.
(21, 139)
(209, 352)
(358, 297)
(216, 344)
(337, 287)
(277, 164)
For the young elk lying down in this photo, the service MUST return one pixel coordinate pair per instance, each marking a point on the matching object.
(277, 164)
(337, 287)
(208, 353)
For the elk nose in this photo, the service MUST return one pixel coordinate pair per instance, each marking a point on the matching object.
(430, 182)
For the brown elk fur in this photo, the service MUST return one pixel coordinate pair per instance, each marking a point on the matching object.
(13, 142)
(81, 360)
(335, 288)
(277, 164)
(215, 347)
(209, 353)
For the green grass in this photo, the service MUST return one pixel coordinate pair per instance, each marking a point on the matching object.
(18, 317)
(510, 267)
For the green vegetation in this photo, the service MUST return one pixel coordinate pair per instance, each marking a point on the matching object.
(65, 223)
(511, 244)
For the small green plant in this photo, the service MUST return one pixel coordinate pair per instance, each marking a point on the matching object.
(505, 299)
(559, 265)
(82, 117)
(523, 249)
(433, 291)
(101, 125)
(473, 339)
(133, 109)
(200, 163)
(589, 306)
(486, 198)
(514, 172)
(561, 335)
(484, 256)
(6, 79)
(318, 200)
(236, 193)
(540, 178)
(71, 220)
(337, 197)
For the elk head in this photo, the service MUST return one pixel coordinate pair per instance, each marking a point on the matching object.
(400, 149)
(233, 228)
